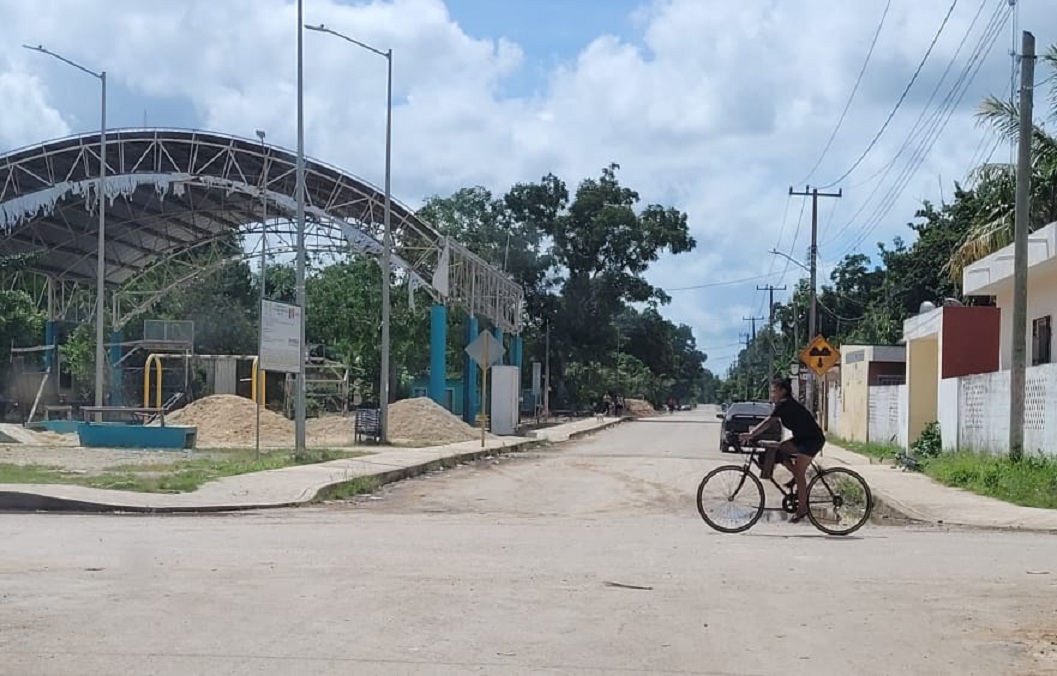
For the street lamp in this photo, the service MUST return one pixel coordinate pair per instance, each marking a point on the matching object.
(387, 243)
(100, 267)
(775, 252)
(258, 376)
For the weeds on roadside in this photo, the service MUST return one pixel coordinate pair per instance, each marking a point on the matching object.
(1030, 481)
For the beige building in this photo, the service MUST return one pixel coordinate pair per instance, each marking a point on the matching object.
(862, 368)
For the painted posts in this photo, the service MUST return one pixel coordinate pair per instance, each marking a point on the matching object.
(469, 375)
(117, 380)
(438, 346)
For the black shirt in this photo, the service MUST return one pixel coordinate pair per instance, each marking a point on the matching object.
(797, 419)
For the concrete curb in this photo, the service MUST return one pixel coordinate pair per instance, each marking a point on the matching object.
(25, 501)
(888, 508)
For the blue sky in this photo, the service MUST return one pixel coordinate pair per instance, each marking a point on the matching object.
(713, 107)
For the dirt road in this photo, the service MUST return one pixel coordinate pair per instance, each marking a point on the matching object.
(589, 559)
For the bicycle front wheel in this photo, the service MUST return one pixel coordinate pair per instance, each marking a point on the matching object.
(839, 501)
(730, 499)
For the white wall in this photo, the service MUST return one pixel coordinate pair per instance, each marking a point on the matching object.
(947, 409)
(984, 411)
(888, 414)
(1042, 301)
(834, 407)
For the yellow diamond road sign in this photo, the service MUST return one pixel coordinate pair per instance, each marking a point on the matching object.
(819, 355)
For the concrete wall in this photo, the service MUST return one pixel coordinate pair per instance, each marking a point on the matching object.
(888, 414)
(970, 341)
(1042, 301)
(948, 411)
(922, 385)
(983, 403)
(834, 414)
(854, 371)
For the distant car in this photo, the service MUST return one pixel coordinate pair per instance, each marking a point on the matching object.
(742, 416)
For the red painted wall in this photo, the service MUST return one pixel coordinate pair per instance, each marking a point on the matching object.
(970, 341)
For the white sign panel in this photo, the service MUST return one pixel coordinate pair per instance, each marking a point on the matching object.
(280, 337)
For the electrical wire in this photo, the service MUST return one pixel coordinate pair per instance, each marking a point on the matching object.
(851, 97)
(731, 282)
(770, 266)
(927, 136)
(902, 98)
(940, 121)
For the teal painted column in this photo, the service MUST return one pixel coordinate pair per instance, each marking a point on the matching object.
(117, 380)
(498, 333)
(516, 352)
(469, 375)
(438, 347)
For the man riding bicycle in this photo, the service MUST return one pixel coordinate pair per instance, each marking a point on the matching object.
(797, 452)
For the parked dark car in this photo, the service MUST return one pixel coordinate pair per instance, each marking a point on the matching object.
(741, 417)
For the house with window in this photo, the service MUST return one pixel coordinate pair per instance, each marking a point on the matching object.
(973, 395)
(993, 276)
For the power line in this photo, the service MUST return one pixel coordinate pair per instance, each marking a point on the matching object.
(902, 97)
(851, 97)
(932, 96)
(731, 282)
(781, 231)
(929, 134)
(940, 121)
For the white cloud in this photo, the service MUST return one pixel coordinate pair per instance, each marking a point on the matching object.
(26, 116)
(717, 107)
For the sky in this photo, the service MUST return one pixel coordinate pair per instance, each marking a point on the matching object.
(714, 107)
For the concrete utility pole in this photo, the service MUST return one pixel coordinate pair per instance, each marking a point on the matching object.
(745, 340)
(812, 324)
(752, 362)
(770, 289)
(1020, 250)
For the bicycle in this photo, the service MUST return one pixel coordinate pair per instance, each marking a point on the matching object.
(842, 505)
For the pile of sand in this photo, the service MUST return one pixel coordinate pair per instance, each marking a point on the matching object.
(639, 408)
(422, 420)
(229, 421)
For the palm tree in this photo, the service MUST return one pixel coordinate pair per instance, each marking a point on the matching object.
(995, 187)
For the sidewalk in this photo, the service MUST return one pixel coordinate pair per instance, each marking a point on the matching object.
(287, 487)
(916, 497)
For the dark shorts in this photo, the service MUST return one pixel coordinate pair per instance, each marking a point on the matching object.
(808, 447)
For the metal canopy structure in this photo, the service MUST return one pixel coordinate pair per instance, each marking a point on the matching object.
(175, 198)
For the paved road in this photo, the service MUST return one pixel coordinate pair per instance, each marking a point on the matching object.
(503, 568)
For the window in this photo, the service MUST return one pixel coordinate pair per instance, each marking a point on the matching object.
(1041, 340)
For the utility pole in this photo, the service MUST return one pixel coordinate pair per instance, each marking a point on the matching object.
(752, 360)
(1020, 249)
(770, 289)
(745, 340)
(812, 325)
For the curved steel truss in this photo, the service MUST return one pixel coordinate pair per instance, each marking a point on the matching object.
(172, 192)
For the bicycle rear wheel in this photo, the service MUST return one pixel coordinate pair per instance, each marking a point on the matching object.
(839, 501)
(730, 499)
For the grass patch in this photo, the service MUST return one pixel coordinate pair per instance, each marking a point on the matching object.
(871, 448)
(360, 485)
(1030, 482)
(176, 477)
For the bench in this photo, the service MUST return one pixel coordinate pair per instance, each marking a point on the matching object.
(368, 424)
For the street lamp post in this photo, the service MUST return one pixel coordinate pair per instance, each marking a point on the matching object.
(100, 267)
(387, 237)
(259, 375)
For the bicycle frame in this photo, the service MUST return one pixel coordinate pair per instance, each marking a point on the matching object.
(753, 458)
